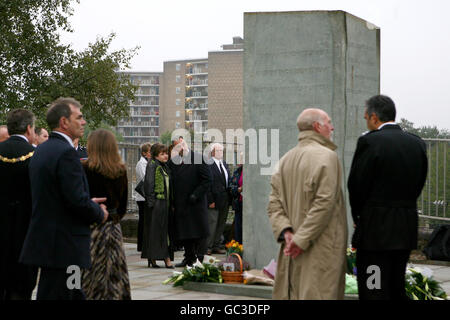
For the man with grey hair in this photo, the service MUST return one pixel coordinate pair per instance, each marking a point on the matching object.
(17, 280)
(218, 198)
(307, 212)
(3, 133)
(58, 239)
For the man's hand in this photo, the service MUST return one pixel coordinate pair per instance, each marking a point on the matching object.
(212, 205)
(105, 213)
(99, 200)
(291, 249)
(240, 189)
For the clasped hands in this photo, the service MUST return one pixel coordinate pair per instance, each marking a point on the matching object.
(291, 249)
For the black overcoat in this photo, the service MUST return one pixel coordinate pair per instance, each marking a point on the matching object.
(15, 214)
(158, 218)
(388, 173)
(191, 177)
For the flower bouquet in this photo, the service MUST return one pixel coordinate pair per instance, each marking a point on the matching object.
(420, 285)
(199, 272)
(234, 247)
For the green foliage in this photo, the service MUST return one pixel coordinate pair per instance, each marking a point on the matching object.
(166, 138)
(420, 287)
(428, 132)
(35, 68)
(199, 272)
(103, 125)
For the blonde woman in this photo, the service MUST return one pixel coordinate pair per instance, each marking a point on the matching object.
(107, 177)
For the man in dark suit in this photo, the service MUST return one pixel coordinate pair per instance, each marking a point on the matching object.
(17, 281)
(58, 239)
(388, 173)
(218, 198)
(191, 181)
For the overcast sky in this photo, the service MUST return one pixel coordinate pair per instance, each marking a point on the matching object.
(415, 39)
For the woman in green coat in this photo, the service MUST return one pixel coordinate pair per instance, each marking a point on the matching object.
(157, 189)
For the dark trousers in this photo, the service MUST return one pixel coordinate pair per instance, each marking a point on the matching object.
(238, 223)
(217, 219)
(140, 231)
(195, 249)
(53, 286)
(392, 267)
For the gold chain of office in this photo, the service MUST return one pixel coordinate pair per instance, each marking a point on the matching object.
(20, 159)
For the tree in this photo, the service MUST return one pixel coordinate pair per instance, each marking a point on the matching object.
(430, 132)
(166, 138)
(35, 68)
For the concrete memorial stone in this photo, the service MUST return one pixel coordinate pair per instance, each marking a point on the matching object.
(292, 61)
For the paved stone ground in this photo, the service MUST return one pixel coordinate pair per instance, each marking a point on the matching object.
(146, 283)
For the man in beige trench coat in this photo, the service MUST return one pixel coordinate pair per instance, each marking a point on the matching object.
(308, 216)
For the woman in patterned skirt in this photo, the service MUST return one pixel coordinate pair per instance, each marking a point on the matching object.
(107, 177)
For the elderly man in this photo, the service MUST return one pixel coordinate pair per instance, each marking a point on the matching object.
(17, 281)
(307, 213)
(388, 173)
(3, 133)
(218, 198)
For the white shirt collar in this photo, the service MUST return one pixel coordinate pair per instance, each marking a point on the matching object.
(67, 138)
(386, 124)
(22, 136)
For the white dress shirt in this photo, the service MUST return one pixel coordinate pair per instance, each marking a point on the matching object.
(66, 137)
(140, 175)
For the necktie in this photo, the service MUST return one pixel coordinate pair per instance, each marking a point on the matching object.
(222, 172)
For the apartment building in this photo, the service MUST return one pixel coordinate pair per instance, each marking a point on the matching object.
(184, 95)
(194, 94)
(143, 123)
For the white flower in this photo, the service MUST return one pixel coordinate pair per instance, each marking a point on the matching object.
(427, 272)
(198, 264)
(209, 259)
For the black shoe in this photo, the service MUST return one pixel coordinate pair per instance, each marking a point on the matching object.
(183, 264)
(152, 264)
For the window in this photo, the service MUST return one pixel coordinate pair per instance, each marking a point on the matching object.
(178, 67)
(177, 114)
(177, 125)
(177, 79)
(177, 90)
(178, 102)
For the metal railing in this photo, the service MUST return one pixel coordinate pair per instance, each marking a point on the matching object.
(130, 155)
(433, 203)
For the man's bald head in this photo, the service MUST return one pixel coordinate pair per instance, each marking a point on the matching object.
(308, 116)
(316, 120)
(3, 133)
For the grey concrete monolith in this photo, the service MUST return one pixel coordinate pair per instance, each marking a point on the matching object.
(292, 61)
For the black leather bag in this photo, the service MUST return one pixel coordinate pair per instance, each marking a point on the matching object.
(140, 188)
(438, 248)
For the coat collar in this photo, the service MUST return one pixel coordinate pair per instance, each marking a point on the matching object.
(314, 136)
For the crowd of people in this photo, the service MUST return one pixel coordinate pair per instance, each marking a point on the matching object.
(185, 202)
(62, 206)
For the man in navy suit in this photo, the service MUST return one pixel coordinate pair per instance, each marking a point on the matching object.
(59, 234)
(388, 173)
(218, 198)
(17, 281)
